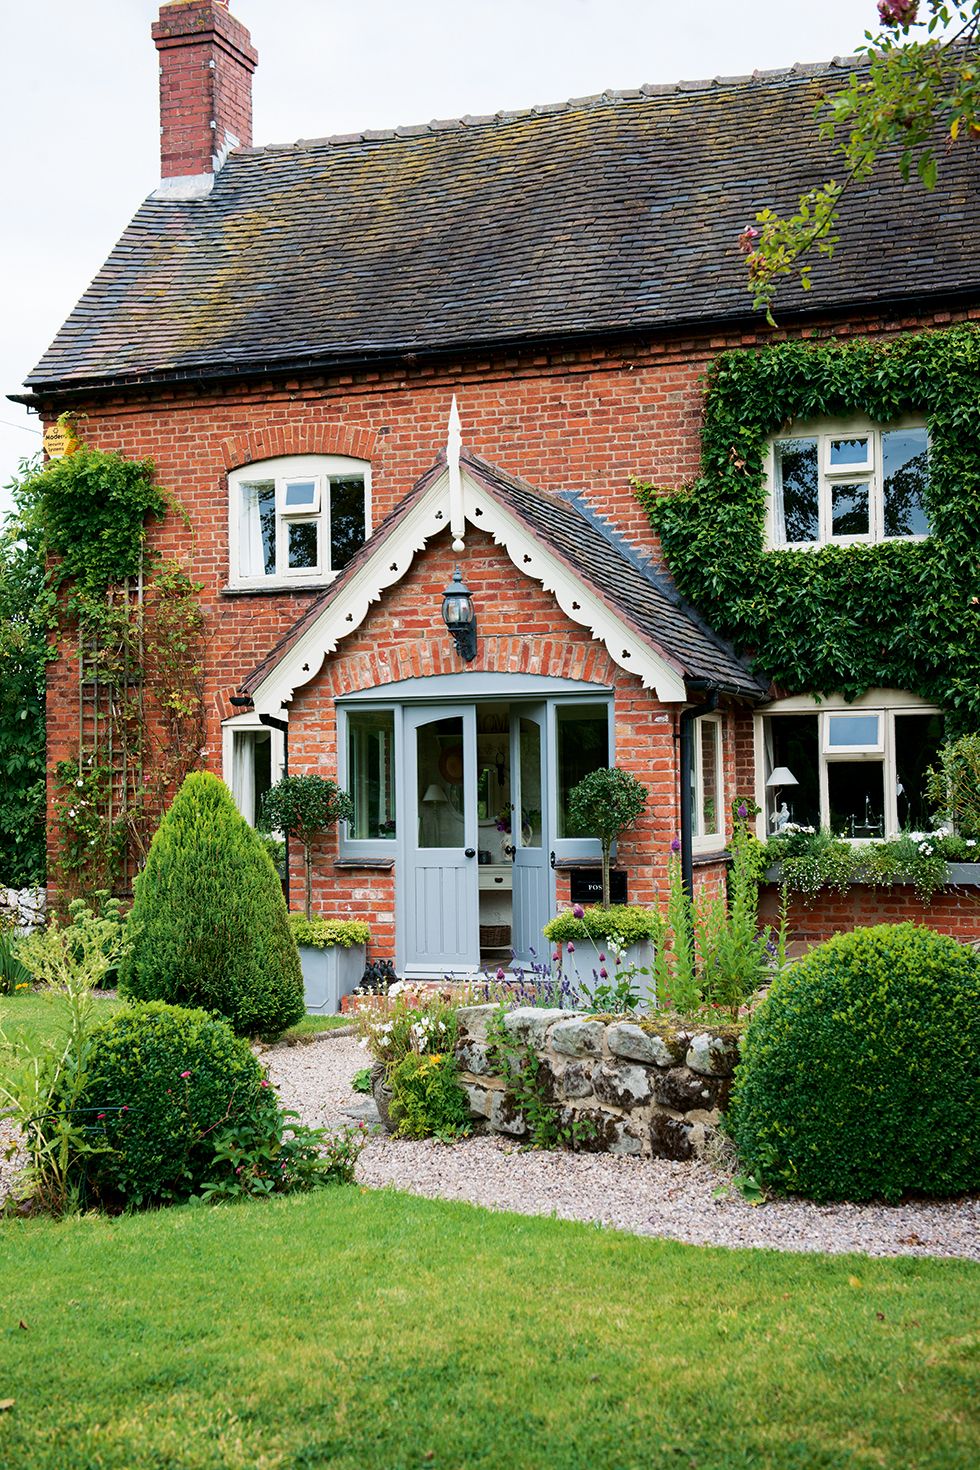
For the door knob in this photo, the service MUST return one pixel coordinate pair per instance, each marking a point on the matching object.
(510, 849)
(470, 852)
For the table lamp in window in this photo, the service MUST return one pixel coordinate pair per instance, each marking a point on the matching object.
(781, 814)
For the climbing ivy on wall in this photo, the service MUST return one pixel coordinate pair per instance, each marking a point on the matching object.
(132, 624)
(902, 614)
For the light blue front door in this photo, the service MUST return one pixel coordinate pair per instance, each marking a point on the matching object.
(439, 894)
(532, 879)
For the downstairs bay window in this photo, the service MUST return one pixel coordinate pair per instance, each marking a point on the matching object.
(858, 770)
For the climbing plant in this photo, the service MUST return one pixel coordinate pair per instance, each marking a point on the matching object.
(901, 614)
(132, 624)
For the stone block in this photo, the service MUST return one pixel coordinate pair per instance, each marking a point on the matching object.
(621, 1084)
(478, 1098)
(473, 1056)
(599, 1132)
(682, 1089)
(530, 1023)
(671, 1138)
(628, 1040)
(474, 1020)
(576, 1080)
(712, 1056)
(577, 1037)
(505, 1116)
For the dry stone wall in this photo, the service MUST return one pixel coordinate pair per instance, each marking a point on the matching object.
(646, 1086)
(22, 908)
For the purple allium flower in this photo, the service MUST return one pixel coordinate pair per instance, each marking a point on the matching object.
(571, 947)
(675, 845)
(500, 973)
(556, 955)
(742, 810)
(602, 959)
(578, 912)
(603, 973)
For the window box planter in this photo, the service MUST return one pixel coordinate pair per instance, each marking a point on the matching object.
(332, 954)
(958, 875)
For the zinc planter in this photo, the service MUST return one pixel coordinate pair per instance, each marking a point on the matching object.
(583, 965)
(331, 953)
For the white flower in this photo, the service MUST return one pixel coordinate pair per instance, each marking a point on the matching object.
(363, 1043)
(397, 988)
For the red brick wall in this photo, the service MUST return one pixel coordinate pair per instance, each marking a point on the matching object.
(954, 911)
(585, 420)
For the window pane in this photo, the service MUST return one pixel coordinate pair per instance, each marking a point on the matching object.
(347, 526)
(849, 510)
(530, 748)
(583, 746)
(371, 773)
(845, 453)
(797, 490)
(905, 471)
(442, 778)
(793, 743)
(917, 742)
(707, 822)
(857, 798)
(300, 494)
(303, 538)
(257, 530)
(853, 730)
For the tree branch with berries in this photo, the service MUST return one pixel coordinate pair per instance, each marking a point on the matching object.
(922, 78)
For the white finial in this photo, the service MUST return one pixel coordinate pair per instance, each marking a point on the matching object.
(454, 443)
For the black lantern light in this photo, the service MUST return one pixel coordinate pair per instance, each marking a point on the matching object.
(459, 617)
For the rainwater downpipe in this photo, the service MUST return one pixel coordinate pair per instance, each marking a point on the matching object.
(283, 726)
(686, 736)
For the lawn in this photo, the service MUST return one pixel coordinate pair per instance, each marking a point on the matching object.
(37, 1015)
(373, 1331)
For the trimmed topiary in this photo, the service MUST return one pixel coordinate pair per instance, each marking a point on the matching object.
(208, 924)
(858, 1077)
(164, 1084)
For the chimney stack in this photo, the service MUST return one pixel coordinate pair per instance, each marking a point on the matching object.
(206, 65)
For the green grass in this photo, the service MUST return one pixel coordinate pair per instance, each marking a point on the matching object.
(307, 1028)
(373, 1331)
(36, 1015)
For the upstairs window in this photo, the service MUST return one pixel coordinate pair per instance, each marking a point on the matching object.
(840, 484)
(297, 520)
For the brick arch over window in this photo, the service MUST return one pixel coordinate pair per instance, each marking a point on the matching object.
(295, 439)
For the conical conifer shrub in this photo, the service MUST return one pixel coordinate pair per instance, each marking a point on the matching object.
(208, 923)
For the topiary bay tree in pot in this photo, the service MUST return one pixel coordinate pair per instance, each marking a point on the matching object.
(604, 804)
(332, 957)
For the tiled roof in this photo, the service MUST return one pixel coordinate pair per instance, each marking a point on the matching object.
(636, 591)
(612, 213)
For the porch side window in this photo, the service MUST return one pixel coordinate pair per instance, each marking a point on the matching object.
(582, 746)
(707, 803)
(253, 760)
(860, 773)
(371, 773)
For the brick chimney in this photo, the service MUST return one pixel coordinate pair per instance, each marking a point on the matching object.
(206, 65)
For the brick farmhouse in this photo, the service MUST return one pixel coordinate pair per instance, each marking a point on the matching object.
(364, 362)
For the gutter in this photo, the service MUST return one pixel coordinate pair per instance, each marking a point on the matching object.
(686, 740)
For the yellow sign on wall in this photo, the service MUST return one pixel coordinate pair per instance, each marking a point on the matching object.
(59, 440)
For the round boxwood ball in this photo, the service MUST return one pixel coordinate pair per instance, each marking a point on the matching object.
(163, 1083)
(858, 1077)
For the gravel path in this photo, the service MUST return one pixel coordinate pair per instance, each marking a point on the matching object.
(645, 1197)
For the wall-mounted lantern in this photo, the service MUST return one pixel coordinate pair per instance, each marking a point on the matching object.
(459, 617)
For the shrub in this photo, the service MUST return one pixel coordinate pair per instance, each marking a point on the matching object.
(627, 922)
(164, 1084)
(426, 1098)
(208, 923)
(603, 805)
(329, 933)
(858, 1072)
(306, 806)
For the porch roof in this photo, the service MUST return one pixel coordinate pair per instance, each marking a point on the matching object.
(634, 590)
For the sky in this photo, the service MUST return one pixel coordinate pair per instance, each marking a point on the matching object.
(80, 126)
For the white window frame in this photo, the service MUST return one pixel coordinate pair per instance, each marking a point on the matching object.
(285, 470)
(352, 847)
(233, 775)
(708, 841)
(884, 702)
(824, 431)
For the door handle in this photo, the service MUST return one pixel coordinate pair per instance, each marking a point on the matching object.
(552, 857)
(470, 852)
(510, 849)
